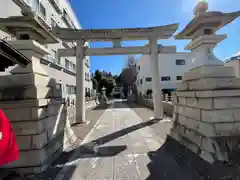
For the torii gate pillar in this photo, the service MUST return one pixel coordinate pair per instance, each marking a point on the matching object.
(156, 86)
(93, 35)
(80, 83)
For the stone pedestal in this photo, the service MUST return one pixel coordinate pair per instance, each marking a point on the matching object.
(36, 110)
(207, 112)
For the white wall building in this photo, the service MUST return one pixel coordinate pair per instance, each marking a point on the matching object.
(53, 12)
(172, 67)
(234, 61)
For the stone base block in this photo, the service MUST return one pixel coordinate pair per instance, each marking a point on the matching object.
(30, 170)
(24, 93)
(25, 80)
(207, 112)
(36, 161)
(31, 110)
(209, 71)
(40, 156)
(40, 127)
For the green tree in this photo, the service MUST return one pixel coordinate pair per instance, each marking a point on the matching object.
(102, 79)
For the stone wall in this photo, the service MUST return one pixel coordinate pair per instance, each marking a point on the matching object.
(207, 113)
(42, 126)
(40, 117)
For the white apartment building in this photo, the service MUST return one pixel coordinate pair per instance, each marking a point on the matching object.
(234, 61)
(52, 12)
(172, 67)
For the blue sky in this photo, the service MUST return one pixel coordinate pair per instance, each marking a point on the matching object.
(143, 13)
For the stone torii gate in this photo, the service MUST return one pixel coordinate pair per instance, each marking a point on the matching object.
(153, 34)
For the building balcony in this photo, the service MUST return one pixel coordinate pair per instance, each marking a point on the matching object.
(56, 5)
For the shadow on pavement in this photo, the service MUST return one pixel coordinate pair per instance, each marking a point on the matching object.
(92, 149)
(122, 132)
(69, 173)
(107, 151)
(174, 161)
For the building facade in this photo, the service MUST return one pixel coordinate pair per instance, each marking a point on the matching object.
(172, 67)
(234, 61)
(53, 13)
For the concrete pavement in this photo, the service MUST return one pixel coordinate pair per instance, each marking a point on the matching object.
(116, 148)
(125, 144)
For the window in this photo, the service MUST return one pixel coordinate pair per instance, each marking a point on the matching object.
(58, 61)
(67, 19)
(180, 62)
(87, 62)
(70, 65)
(53, 23)
(42, 11)
(165, 78)
(67, 64)
(68, 89)
(55, 4)
(53, 56)
(149, 92)
(179, 78)
(138, 67)
(141, 81)
(148, 79)
(73, 89)
(59, 86)
(88, 77)
(34, 4)
(74, 67)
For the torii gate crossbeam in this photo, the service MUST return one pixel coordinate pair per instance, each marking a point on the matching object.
(81, 36)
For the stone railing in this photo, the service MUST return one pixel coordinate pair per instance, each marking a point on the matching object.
(167, 105)
(165, 97)
(70, 101)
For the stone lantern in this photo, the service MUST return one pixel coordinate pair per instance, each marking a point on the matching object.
(207, 101)
(103, 98)
(32, 101)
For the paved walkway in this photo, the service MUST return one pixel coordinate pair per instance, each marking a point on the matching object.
(116, 148)
(126, 145)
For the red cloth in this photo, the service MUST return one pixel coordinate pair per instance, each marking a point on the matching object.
(8, 144)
